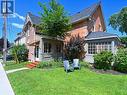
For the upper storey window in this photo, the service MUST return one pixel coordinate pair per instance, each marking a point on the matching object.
(28, 30)
(100, 28)
(93, 29)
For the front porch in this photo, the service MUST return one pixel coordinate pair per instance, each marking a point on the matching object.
(46, 49)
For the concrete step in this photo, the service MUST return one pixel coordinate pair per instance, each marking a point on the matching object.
(32, 65)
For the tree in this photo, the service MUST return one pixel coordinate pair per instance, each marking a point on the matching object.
(124, 40)
(119, 21)
(2, 44)
(19, 53)
(54, 20)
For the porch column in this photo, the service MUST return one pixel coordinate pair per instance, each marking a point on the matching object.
(40, 50)
(86, 48)
(113, 47)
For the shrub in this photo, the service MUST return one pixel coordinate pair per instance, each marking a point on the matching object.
(19, 53)
(50, 64)
(103, 60)
(74, 48)
(84, 64)
(124, 41)
(120, 63)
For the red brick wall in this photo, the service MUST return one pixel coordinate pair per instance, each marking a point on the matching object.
(99, 20)
(30, 40)
(82, 28)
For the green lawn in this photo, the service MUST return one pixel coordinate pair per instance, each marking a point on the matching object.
(57, 82)
(12, 65)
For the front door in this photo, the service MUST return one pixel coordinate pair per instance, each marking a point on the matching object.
(36, 53)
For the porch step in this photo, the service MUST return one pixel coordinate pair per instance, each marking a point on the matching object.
(32, 65)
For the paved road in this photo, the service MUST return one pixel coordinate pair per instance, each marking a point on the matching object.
(5, 86)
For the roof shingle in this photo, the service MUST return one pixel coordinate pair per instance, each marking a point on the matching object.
(84, 13)
(35, 19)
(74, 18)
(99, 35)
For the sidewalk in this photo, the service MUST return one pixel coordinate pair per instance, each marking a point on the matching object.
(15, 70)
(5, 86)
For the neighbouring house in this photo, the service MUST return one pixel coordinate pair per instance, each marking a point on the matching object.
(21, 39)
(2, 44)
(88, 24)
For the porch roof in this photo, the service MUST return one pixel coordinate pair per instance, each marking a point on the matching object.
(100, 35)
(52, 38)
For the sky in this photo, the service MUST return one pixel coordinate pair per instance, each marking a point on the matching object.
(16, 22)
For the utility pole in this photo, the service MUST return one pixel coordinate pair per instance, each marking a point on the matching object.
(7, 8)
(5, 39)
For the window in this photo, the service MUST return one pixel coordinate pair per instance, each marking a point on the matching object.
(47, 47)
(94, 48)
(58, 48)
(36, 51)
(93, 29)
(100, 28)
(28, 32)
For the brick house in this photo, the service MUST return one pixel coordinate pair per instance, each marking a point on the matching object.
(88, 24)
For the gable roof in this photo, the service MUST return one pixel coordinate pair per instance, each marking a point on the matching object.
(34, 19)
(87, 12)
(100, 35)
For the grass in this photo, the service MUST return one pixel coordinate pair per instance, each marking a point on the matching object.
(12, 65)
(57, 82)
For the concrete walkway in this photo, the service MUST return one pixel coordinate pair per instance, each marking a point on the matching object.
(15, 70)
(5, 86)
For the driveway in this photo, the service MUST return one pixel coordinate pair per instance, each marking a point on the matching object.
(5, 86)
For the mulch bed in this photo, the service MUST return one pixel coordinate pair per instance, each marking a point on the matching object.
(108, 72)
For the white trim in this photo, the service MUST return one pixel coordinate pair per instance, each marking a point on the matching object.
(102, 38)
(90, 54)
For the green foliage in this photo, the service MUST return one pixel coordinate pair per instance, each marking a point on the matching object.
(120, 63)
(75, 48)
(103, 60)
(2, 44)
(124, 40)
(1, 53)
(49, 64)
(54, 20)
(20, 53)
(85, 64)
(119, 21)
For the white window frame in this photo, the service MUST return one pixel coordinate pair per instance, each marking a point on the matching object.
(47, 47)
(94, 48)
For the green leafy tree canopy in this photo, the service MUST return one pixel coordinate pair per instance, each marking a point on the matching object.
(124, 40)
(19, 53)
(54, 19)
(119, 21)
